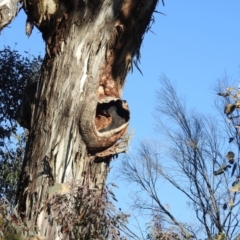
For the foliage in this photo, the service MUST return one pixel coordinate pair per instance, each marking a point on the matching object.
(11, 225)
(158, 232)
(85, 212)
(230, 100)
(196, 160)
(81, 213)
(15, 72)
(11, 161)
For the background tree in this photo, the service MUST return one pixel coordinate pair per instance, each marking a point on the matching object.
(195, 161)
(75, 115)
(157, 231)
(15, 72)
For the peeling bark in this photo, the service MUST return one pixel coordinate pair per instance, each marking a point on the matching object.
(8, 11)
(77, 118)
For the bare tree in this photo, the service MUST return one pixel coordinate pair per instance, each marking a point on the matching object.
(74, 113)
(194, 160)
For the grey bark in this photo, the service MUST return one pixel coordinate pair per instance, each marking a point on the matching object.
(8, 11)
(90, 46)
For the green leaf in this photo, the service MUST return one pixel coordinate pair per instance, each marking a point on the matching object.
(221, 169)
(235, 188)
(229, 108)
(221, 236)
(230, 155)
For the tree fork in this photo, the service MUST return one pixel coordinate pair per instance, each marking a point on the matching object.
(76, 118)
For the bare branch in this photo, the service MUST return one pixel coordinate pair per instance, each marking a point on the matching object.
(194, 149)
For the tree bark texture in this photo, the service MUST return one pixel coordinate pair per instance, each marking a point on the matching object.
(8, 11)
(75, 115)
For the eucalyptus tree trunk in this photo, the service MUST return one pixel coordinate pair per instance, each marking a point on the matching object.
(76, 118)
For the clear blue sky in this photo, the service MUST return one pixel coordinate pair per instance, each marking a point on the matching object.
(193, 45)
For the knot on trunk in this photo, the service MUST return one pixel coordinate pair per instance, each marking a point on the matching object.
(7, 13)
(106, 126)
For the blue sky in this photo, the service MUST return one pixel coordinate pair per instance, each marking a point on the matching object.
(193, 45)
